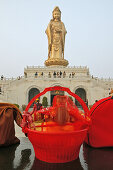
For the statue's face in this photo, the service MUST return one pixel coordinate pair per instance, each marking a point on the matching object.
(56, 15)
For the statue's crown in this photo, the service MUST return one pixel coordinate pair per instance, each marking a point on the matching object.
(56, 9)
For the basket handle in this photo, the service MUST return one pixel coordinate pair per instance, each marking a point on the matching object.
(85, 108)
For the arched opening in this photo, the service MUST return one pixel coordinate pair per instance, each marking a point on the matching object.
(82, 94)
(32, 93)
(54, 93)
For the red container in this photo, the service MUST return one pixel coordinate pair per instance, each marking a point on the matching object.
(57, 146)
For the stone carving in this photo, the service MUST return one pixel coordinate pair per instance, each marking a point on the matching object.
(56, 40)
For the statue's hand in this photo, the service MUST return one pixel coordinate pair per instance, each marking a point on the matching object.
(58, 29)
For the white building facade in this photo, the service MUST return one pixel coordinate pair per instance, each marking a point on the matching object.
(37, 78)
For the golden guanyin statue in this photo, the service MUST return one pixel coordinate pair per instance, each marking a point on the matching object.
(56, 40)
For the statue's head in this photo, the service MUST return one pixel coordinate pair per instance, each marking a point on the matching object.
(56, 14)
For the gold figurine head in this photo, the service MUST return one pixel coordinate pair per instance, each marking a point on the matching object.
(56, 14)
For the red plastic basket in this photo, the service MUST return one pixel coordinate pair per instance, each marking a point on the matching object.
(60, 146)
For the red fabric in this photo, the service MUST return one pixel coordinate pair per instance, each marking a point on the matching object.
(100, 133)
(64, 110)
(65, 107)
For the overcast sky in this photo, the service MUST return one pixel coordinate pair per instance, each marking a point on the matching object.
(89, 39)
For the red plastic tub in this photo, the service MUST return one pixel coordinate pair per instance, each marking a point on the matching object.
(58, 146)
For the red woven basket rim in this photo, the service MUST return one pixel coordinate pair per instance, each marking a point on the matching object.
(55, 133)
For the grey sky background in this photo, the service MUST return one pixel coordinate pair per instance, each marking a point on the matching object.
(89, 39)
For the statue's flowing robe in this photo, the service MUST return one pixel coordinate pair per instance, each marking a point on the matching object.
(52, 26)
